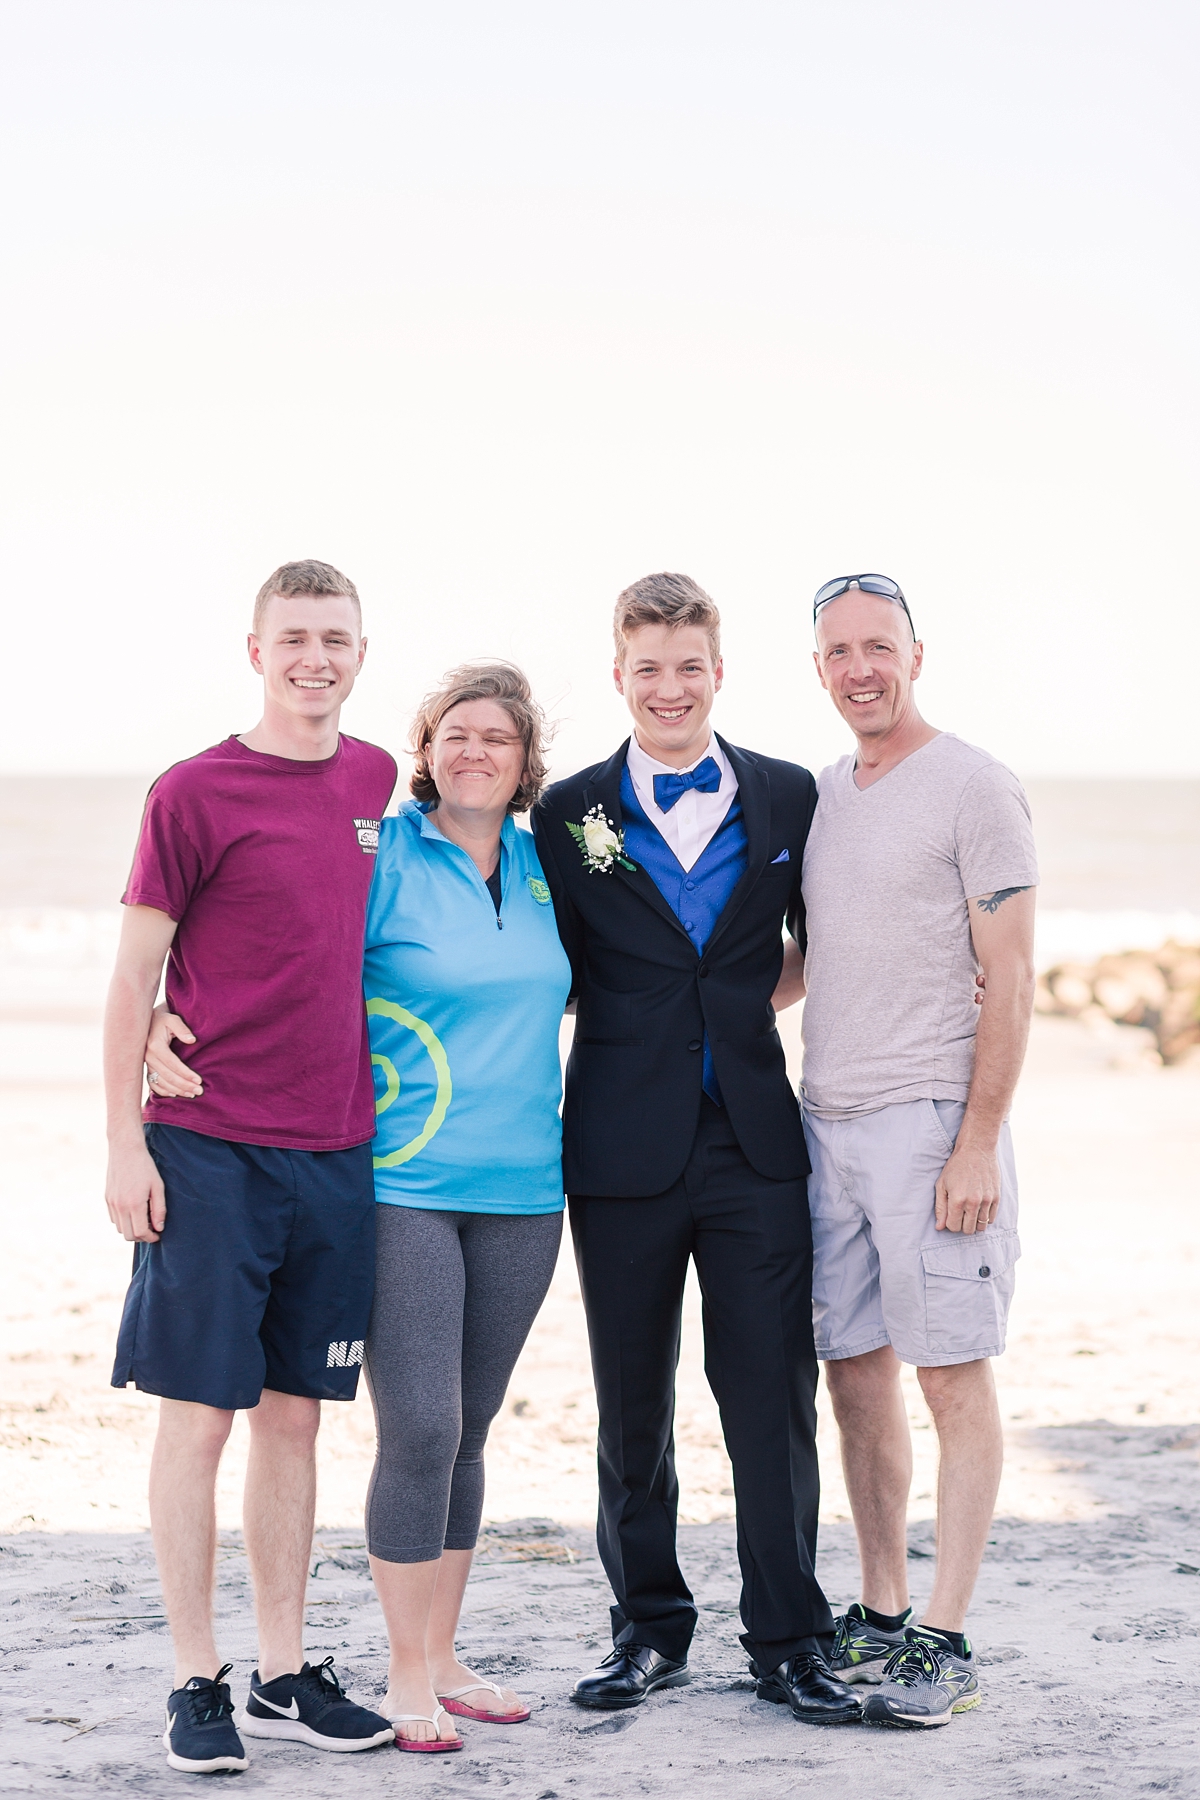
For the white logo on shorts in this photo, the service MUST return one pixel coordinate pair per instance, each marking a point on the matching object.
(345, 1355)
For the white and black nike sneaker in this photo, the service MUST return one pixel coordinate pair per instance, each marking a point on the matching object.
(201, 1738)
(312, 1709)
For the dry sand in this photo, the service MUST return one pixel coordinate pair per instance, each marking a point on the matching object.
(1087, 1619)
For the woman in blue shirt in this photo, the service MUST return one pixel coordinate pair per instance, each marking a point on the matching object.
(465, 983)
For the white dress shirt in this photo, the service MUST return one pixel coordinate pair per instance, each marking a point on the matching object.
(694, 819)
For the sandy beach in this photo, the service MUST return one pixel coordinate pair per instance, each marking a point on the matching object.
(487, 329)
(489, 311)
(1087, 1616)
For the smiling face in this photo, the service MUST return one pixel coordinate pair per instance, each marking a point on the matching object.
(476, 758)
(308, 652)
(669, 681)
(867, 659)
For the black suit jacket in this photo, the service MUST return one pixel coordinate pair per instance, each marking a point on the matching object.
(646, 998)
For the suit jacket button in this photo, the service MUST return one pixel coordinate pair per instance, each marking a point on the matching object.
(695, 1044)
(703, 973)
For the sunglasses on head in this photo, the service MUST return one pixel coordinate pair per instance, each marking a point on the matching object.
(869, 584)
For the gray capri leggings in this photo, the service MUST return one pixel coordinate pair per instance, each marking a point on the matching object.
(455, 1296)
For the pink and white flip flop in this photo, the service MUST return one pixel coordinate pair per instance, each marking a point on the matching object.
(424, 1746)
(453, 1703)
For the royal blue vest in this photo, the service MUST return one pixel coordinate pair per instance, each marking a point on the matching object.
(697, 896)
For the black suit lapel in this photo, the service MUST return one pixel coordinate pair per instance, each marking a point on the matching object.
(604, 790)
(754, 791)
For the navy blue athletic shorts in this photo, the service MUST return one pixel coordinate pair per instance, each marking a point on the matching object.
(262, 1278)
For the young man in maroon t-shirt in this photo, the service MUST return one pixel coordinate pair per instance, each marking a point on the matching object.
(251, 1201)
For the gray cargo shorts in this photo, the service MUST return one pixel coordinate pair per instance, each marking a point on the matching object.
(882, 1272)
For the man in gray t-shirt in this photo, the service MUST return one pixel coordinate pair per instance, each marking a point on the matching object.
(919, 875)
(890, 971)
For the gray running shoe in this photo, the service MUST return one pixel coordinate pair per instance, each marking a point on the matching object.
(924, 1683)
(860, 1649)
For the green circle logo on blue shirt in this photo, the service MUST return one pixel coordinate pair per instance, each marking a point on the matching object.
(445, 1088)
(538, 889)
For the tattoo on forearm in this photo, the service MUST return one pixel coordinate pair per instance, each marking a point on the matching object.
(996, 900)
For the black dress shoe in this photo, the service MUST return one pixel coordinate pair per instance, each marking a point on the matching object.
(807, 1684)
(627, 1676)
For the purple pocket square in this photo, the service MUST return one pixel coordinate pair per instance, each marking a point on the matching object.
(782, 857)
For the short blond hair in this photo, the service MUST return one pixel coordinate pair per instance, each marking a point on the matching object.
(670, 600)
(504, 683)
(306, 577)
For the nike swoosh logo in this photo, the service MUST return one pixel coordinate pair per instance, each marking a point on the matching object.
(287, 1712)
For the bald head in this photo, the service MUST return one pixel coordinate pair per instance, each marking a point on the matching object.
(894, 611)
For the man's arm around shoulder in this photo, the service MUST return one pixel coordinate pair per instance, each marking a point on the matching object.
(134, 1189)
(790, 987)
(968, 1190)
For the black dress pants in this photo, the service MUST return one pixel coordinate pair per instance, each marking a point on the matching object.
(752, 1244)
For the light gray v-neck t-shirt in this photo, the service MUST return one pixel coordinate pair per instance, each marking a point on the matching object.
(890, 1013)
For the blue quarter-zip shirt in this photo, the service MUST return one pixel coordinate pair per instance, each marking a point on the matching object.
(464, 1008)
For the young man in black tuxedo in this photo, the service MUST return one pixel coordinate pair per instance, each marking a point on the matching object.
(673, 868)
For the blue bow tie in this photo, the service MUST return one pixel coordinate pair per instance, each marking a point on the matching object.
(705, 778)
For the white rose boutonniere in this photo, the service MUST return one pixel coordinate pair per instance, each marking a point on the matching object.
(602, 846)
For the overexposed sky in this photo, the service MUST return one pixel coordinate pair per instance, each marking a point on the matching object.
(499, 307)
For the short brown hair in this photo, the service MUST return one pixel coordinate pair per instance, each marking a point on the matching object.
(307, 577)
(670, 600)
(499, 681)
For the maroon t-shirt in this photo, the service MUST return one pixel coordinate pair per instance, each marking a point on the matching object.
(265, 864)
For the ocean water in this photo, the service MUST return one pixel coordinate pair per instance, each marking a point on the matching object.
(1120, 867)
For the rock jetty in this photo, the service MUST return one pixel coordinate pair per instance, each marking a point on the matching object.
(1156, 989)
